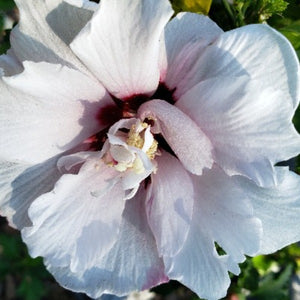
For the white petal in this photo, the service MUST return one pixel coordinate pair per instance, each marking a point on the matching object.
(121, 45)
(278, 208)
(79, 220)
(33, 38)
(10, 64)
(132, 264)
(148, 140)
(21, 184)
(186, 37)
(121, 154)
(249, 126)
(222, 214)
(123, 123)
(228, 214)
(86, 4)
(47, 110)
(170, 205)
(131, 179)
(185, 138)
(199, 267)
(67, 19)
(254, 50)
(66, 163)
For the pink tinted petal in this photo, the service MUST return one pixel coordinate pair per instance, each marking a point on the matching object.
(79, 220)
(21, 184)
(33, 38)
(46, 110)
(278, 208)
(121, 45)
(222, 214)
(186, 139)
(255, 50)
(170, 204)
(249, 126)
(131, 264)
(186, 37)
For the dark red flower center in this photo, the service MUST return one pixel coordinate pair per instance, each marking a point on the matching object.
(130, 105)
(127, 108)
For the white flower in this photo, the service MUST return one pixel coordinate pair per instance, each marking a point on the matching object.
(130, 145)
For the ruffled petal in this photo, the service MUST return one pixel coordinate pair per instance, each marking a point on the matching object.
(222, 214)
(186, 37)
(34, 39)
(47, 110)
(131, 264)
(79, 220)
(254, 50)
(186, 139)
(250, 127)
(228, 214)
(278, 208)
(170, 204)
(121, 45)
(199, 267)
(21, 184)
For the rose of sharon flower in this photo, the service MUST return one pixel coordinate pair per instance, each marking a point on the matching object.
(131, 144)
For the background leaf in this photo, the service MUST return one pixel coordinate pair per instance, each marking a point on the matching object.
(197, 6)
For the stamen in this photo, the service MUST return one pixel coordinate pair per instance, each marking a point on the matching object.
(134, 138)
(120, 156)
(139, 136)
(152, 150)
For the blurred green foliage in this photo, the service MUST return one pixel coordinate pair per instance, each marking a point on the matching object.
(26, 275)
(7, 15)
(262, 277)
(200, 6)
(250, 11)
(6, 5)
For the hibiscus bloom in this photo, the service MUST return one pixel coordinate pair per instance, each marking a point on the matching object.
(131, 145)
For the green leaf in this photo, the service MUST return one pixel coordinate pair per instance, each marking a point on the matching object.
(272, 287)
(4, 47)
(31, 288)
(5, 268)
(197, 6)
(296, 119)
(249, 11)
(249, 276)
(293, 10)
(7, 5)
(262, 263)
(292, 33)
(294, 249)
(10, 246)
(1, 22)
